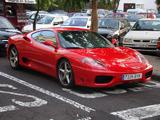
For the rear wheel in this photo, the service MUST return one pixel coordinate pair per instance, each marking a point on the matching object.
(14, 58)
(65, 73)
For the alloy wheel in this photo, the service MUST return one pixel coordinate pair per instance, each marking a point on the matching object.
(13, 57)
(65, 73)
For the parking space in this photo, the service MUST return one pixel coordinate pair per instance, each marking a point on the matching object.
(34, 96)
(21, 97)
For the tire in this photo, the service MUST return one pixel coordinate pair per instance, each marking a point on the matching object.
(65, 74)
(14, 58)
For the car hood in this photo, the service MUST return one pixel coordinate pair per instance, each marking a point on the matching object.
(6, 33)
(143, 34)
(106, 31)
(115, 59)
(29, 28)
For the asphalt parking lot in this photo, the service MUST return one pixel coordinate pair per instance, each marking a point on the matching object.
(29, 95)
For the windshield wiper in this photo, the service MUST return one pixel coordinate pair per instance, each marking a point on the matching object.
(74, 47)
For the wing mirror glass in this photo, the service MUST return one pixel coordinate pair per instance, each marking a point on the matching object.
(27, 39)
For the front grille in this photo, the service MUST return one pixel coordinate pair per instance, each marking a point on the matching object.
(142, 41)
(103, 79)
(136, 40)
(148, 74)
(146, 40)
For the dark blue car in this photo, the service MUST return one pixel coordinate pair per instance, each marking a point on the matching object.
(6, 30)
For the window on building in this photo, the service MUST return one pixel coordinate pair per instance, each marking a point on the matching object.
(10, 10)
(1, 8)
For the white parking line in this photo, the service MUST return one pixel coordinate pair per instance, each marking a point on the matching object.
(139, 113)
(87, 118)
(51, 94)
(83, 95)
(8, 108)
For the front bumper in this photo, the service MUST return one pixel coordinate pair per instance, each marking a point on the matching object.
(149, 48)
(88, 78)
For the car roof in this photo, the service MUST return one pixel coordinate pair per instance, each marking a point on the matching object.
(54, 15)
(58, 29)
(69, 29)
(115, 18)
(81, 17)
(150, 19)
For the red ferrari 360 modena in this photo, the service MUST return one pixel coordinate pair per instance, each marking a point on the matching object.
(78, 57)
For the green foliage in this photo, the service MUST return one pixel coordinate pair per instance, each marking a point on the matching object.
(72, 5)
(45, 4)
(158, 2)
(105, 4)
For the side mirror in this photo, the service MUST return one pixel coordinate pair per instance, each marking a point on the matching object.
(26, 39)
(49, 43)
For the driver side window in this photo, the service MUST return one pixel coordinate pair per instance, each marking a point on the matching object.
(44, 35)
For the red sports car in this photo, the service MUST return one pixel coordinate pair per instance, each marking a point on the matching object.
(78, 57)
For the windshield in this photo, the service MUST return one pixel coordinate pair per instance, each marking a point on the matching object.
(133, 18)
(108, 23)
(149, 25)
(75, 22)
(46, 20)
(82, 39)
(5, 24)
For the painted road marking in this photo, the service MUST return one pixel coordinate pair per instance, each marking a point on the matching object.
(87, 118)
(139, 113)
(8, 108)
(151, 84)
(115, 91)
(7, 85)
(83, 95)
(36, 103)
(136, 89)
(51, 94)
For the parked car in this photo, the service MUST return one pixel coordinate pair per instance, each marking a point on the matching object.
(78, 56)
(50, 20)
(79, 14)
(113, 28)
(31, 16)
(6, 30)
(144, 35)
(79, 21)
(133, 19)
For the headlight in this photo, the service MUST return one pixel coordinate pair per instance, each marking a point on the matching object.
(92, 62)
(142, 59)
(154, 41)
(127, 40)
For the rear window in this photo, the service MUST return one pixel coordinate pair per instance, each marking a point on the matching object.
(4, 23)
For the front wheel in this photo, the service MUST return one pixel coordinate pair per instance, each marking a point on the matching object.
(65, 73)
(14, 58)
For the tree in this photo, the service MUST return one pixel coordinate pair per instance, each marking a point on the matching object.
(94, 17)
(158, 2)
(158, 5)
(115, 4)
(42, 5)
(72, 5)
